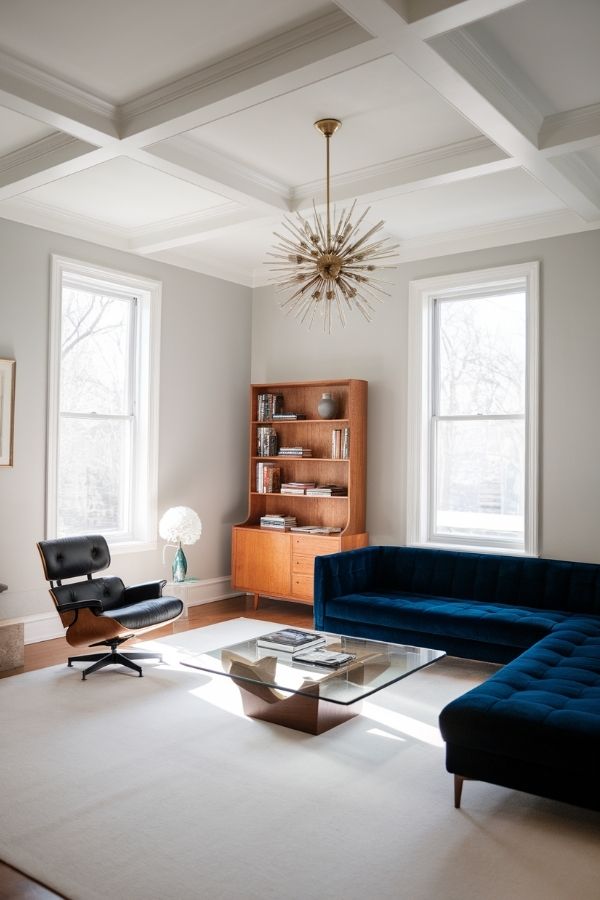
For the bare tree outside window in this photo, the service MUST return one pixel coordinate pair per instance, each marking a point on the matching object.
(479, 416)
(95, 412)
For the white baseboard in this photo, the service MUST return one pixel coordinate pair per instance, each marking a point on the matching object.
(46, 628)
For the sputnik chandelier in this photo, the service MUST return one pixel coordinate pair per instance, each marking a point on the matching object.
(325, 265)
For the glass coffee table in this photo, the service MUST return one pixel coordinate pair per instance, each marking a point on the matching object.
(275, 687)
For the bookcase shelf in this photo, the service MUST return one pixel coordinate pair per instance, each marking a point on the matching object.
(270, 562)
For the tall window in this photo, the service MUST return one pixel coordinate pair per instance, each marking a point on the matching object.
(103, 404)
(472, 461)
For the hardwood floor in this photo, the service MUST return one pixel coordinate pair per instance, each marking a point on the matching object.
(13, 884)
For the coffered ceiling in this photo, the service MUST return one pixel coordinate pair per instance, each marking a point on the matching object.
(183, 130)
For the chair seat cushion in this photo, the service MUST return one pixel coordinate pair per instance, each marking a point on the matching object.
(545, 706)
(146, 612)
(496, 623)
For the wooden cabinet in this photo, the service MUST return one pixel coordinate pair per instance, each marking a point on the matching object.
(281, 564)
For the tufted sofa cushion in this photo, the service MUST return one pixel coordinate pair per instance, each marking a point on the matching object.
(544, 708)
(496, 623)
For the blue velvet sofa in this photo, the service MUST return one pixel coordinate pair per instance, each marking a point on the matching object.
(533, 726)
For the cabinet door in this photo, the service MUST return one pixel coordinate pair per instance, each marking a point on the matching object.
(261, 561)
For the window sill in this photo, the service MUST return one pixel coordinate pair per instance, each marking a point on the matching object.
(121, 547)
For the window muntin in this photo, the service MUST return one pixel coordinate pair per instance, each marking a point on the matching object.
(103, 405)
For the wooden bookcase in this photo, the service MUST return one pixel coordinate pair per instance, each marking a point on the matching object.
(281, 563)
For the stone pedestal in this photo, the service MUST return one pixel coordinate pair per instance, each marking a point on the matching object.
(12, 648)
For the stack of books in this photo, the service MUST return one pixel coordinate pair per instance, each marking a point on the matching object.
(268, 478)
(290, 639)
(268, 406)
(280, 523)
(266, 441)
(296, 487)
(288, 416)
(294, 451)
(327, 490)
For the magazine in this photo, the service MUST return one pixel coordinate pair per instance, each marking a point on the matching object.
(290, 639)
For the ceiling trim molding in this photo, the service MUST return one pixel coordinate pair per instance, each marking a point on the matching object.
(188, 160)
(52, 157)
(37, 150)
(39, 215)
(225, 272)
(442, 165)
(31, 91)
(573, 130)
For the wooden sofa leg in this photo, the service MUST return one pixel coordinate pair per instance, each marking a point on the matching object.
(458, 786)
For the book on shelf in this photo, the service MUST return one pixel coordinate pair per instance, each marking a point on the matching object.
(336, 443)
(317, 529)
(285, 417)
(296, 487)
(266, 441)
(345, 443)
(294, 451)
(283, 523)
(320, 656)
(268, 405)
(290, 639)
(327, 490)
(268, 478)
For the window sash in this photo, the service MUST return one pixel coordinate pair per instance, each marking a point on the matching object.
(422, 419)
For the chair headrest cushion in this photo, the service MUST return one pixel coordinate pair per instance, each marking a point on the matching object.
(73, 557)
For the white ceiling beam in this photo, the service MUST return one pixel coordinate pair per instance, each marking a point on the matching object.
(302, 56)
(189, 160)
(28, 90)
(46, 160)
(429, 18)
(502, 121)
(471, 158)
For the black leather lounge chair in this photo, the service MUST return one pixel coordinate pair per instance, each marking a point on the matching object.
(102, 612)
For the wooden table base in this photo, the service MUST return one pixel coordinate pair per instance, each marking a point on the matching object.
(299, 711)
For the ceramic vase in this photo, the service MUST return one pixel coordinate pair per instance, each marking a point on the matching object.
(327, 407)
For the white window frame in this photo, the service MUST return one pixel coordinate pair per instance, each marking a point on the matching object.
(419, 485)
(145, 361)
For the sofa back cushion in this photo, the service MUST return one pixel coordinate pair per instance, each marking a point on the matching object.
(514, 580)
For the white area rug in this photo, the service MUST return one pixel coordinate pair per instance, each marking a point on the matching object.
(158, 787)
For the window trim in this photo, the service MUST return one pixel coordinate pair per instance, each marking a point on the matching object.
(145, 464)
(422, 293)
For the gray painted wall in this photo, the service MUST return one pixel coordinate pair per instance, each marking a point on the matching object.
(205, 367)
(377, 351)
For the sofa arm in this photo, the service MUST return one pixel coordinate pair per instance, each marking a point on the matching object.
(149, 590)
(337, 574)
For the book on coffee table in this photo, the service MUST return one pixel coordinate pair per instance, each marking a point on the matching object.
(290, 640)
(321, 656)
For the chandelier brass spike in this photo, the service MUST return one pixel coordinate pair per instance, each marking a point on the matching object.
(323, 262)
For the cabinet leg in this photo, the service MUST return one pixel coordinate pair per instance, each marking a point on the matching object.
(255, 601)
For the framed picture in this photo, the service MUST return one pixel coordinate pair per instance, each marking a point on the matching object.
(7, 410)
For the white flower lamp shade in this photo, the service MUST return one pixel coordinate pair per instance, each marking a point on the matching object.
(179, 525)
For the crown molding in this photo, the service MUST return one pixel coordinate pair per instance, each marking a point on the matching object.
(213, 268)
(27, 89)
(40, 215)
(575, 129)
(260, 54)
(39, 149)
(428, 23)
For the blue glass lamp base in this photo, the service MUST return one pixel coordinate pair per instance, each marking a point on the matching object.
(179, 565)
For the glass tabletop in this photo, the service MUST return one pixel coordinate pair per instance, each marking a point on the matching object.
(374, 665)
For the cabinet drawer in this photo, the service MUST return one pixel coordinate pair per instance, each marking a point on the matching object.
(302, 586)
(303, 565)
(314, 546)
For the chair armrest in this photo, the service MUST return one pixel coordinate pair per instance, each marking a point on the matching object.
(149, 590)
(337, 574)
(71, 605)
